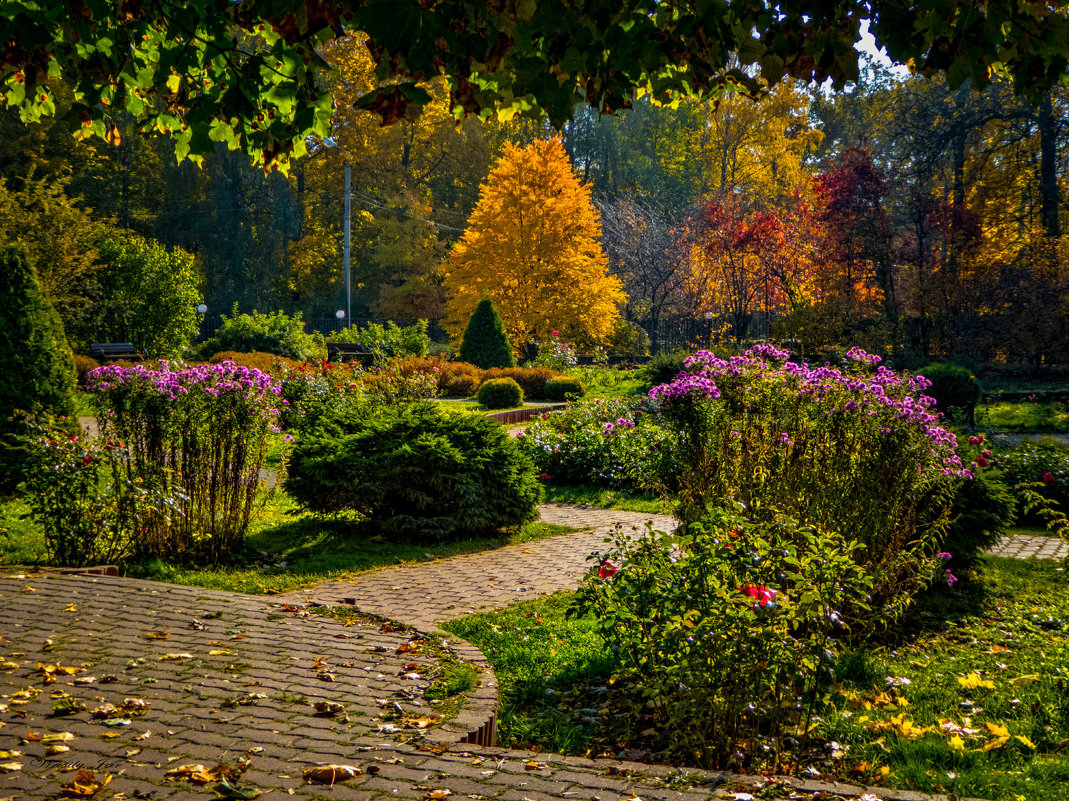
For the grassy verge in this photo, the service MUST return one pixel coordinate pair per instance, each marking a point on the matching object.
(970, 698)
(607, 382)
(607, 499)
(1024, 417)
(285, 550)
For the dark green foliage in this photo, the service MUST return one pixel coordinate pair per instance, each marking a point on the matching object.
(500, 393)
(38, 367)
(953, 386)
(417, 471)
(485, 342)
(983, 509)
(628, 340)
(564, 388)
(662, 368)
(1045, 463)
(268, 333)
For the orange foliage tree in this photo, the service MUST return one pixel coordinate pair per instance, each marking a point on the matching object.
(532, 246)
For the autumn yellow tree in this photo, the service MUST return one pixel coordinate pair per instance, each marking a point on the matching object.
(532, 246)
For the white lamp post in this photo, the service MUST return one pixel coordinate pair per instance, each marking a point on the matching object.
(346, 251)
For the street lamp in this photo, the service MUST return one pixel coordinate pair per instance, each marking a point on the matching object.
(345, 257)
(340, 315)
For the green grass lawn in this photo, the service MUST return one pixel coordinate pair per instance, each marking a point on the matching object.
(1023, 417)
(607, 499)
(986, 662)
(285, 550)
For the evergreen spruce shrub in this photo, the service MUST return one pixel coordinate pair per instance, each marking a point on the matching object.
(485, 342)
(416, 471)
(953, 386)
(500, 393)
(38, 366)
(564, 388)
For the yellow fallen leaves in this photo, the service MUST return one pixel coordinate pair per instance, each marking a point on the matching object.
(85, 785)
(330, 774)
(199, 774)
(973, 681)
(956, 735)
(175, 657)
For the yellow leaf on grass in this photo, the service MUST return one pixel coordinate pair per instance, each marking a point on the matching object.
(1026, 741)
(972, 681)
(1031, 678)
(997, 730)
(957, 744)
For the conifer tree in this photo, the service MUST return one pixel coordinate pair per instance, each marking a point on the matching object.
(486, 344)
(38, 367)
(533, 245)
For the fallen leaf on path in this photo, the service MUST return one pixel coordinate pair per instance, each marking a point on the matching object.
(175, 657)
(157, 635)
(85, 785)
(330, 774)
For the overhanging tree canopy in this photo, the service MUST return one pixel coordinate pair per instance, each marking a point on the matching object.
(245, 72)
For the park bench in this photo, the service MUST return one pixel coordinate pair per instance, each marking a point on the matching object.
(112, 351)
(348, 351)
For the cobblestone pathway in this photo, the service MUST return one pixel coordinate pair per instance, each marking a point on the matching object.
(425, 593)
(174, 679)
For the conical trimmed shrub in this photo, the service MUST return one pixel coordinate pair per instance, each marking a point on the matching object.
(486, 344)
(38, 367)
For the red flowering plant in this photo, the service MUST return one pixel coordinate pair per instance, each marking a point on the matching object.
(725, 636)
(83, 498)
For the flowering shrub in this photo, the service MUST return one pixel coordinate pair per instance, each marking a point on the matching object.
(88, 502)
(556, 354)
(202, 429)
(614, 443)
(725, 635)
(856, 451)
(309, 391)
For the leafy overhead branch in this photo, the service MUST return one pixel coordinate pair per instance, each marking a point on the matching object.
(247, 73)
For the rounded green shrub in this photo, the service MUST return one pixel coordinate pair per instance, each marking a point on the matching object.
(275, 333)
(38, 372)
(532, 380)
(953, 386)
(662, 368)
(485, 342)
(500, 393)
(563, 388)
(416, 471)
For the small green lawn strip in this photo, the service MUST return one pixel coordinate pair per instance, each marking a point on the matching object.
(607, 499)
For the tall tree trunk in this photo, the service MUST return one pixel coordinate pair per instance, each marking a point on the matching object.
(1048, 173)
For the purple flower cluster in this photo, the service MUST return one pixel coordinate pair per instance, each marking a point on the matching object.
(886, 399)
(212, 380)
(687, 385)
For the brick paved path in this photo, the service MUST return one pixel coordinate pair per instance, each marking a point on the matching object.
(424, 594)
(236, 678)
